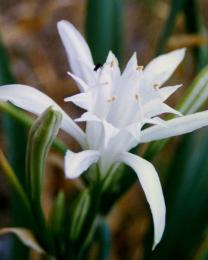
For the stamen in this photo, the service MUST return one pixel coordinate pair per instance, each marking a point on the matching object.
(136, 96)
(113, 98)
(156, 86)
(140, 68)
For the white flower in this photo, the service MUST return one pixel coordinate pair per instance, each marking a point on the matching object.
(117, 106)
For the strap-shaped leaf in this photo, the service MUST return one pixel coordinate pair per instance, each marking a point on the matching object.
(14, 181)
(175, 9)
(26, 236)
(79, 214)
(41, 136)
(15, 141)
(57, 214)
(107, 32)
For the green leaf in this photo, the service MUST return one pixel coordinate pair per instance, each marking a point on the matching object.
(14, 181)
(57, 214)
(26, 237)
(104, 28)
(202, 251)
(79, 214)
(42, 134)
(103, 239)
(15, 141)
(175, 8)
(58, 223)
(194, 26)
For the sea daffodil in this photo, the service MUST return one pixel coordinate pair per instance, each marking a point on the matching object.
(117, 106)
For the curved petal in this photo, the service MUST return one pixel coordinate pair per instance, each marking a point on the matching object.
(161, 68)
(83, 100)
(83, 87)
(76, 163)
(152, 188)
(131, 65)
(108, 132)
(36, 102)
(77, 50)
(166, 92)
(87, 117)
(176, 126)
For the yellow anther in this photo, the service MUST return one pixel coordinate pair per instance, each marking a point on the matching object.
(113, 98)
(112, 63)
(156, 86)
(136, 96)
(140, 68)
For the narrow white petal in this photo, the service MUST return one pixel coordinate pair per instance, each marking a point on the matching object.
(36, 102)
(161, 68)
(152, 188)
(112, 58)
(76, 163)
(76, 49)
(83, 87)
(114, 65)
(82, 100)
(109, 131)
(166, 92)
(156, 121)
(87, 116)
(156, 108)
(131, 65)
(176, 126)
(135, 130)
(168, 109)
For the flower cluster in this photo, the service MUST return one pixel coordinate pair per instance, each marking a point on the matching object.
(118, 105)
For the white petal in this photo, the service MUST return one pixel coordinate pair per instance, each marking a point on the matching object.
(83, 87)
(36, 102)
(113, 62)
(161, 68)
(109, 131)
(76, 163)
(176, 126)
(82, 100)
(135, 130)
(155, 108)
(152, 188)
(87, 116)
(112, 58)
(168, 109)
(76, 49)
(131, 65)
(166, 92)
(156, 121)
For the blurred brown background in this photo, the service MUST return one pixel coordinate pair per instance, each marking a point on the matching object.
(28, 29)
